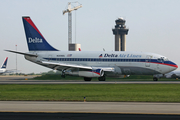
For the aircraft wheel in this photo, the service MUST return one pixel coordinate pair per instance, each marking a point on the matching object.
(103, 78)
(173, 76)
(155, 79)
(87, 79)
(63, 76)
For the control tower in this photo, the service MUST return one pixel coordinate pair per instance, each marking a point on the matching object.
(120, 31)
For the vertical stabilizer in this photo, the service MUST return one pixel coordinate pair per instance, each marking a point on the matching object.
(35, 40)
(5, 63)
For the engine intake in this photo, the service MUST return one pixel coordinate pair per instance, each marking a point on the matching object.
(92, 73)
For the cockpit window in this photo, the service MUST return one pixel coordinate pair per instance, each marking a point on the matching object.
(166, 59)
(159, 59)
(162, 59)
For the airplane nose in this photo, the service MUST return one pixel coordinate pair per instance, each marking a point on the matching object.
(174, 66)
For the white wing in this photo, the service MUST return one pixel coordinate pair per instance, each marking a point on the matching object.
(65, 65)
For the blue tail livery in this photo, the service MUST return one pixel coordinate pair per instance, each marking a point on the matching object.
(5, 63)
(35, 40)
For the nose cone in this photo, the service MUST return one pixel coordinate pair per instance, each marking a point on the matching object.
(173, 66)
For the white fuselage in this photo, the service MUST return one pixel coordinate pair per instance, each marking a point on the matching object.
(2, 70)
(124, 63)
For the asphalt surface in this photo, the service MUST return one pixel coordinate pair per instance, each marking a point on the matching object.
(88, 110)
(25, 80)
(83, 116)
(44, 110)
(90, 107)
(83, 82)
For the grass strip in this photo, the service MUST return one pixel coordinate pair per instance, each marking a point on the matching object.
(100, 92)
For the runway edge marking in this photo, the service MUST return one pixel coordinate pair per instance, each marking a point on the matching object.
(90, 112)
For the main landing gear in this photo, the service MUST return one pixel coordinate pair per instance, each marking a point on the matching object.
(103, 78)
(87, 79)
(63, 74)
(155, 79)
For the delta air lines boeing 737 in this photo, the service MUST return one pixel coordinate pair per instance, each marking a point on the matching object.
(89, 64)
(3, 69)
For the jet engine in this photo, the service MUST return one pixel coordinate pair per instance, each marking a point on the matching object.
(86, 73)
(92, 73)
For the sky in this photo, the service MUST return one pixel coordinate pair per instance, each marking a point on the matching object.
(154, 26)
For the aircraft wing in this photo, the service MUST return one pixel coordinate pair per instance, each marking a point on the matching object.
(109, 69)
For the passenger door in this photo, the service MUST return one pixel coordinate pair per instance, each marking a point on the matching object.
(49, 57)
(147, 61)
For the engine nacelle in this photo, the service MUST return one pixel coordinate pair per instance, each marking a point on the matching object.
(159, 76)
(88, 73)
(92, 73)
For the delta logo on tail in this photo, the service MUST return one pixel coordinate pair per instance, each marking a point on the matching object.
(35, 40)
(5, 63)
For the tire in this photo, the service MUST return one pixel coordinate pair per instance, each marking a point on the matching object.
(87, 79)
(102, 78)
(63, 76)
(155, 79)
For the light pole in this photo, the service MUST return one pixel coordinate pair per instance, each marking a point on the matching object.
(16, 60)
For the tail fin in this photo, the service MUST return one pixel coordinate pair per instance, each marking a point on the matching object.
(35, 40)
(5, 63)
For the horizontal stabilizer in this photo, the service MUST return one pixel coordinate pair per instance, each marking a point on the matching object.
(29, 54)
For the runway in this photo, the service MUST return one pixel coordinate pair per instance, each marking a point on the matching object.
(25, 80)
(90, 107)
(41, 110)
(86, 110)
(83, 116)
(83, 82)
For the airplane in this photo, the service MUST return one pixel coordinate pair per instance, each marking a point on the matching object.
(90, 64)
(3, 67)
(173, 74)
